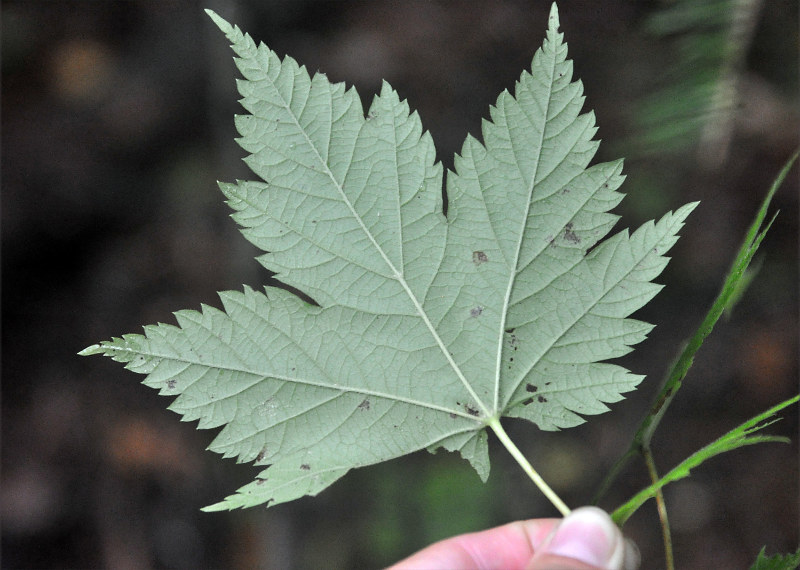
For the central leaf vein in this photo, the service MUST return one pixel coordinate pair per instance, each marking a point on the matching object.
(515, 267)
(397, 274)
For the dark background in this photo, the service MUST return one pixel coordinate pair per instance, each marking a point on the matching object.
(116, 123)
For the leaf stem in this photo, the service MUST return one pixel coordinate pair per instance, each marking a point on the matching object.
(661, 506)
(494, 423)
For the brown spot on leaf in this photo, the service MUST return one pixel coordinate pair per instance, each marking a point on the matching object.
(479, 257)
(171, 384)
(261, 455)
(364, 405)
(475, 312)
(305, 467)
(531, 388)
(541, 398)
(527, 401)
(471, 410)
(570, 235)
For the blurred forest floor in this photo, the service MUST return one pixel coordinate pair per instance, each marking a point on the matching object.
(116, 124)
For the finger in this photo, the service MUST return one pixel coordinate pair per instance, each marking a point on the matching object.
(507, 547)
(588, 538)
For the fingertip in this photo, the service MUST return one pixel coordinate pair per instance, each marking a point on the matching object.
(586, 539)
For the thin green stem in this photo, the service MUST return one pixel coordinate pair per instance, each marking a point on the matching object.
(738, 437)
(613, 473)
(729, 293)
(494, 423)
(661, 507)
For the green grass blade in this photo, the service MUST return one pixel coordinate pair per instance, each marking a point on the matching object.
(731, 291)
(734, 439)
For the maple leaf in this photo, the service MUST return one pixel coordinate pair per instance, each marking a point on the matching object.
(428, 329)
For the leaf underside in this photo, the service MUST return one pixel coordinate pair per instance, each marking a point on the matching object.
(427, 328)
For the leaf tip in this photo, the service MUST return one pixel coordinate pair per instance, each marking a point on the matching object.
(221, 23)
(684, 211)
(216, 507)
(553, 18)
(91, 350)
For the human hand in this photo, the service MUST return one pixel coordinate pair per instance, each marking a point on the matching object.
(587, 539)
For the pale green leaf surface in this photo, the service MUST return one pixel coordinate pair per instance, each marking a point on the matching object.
(428, 329)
